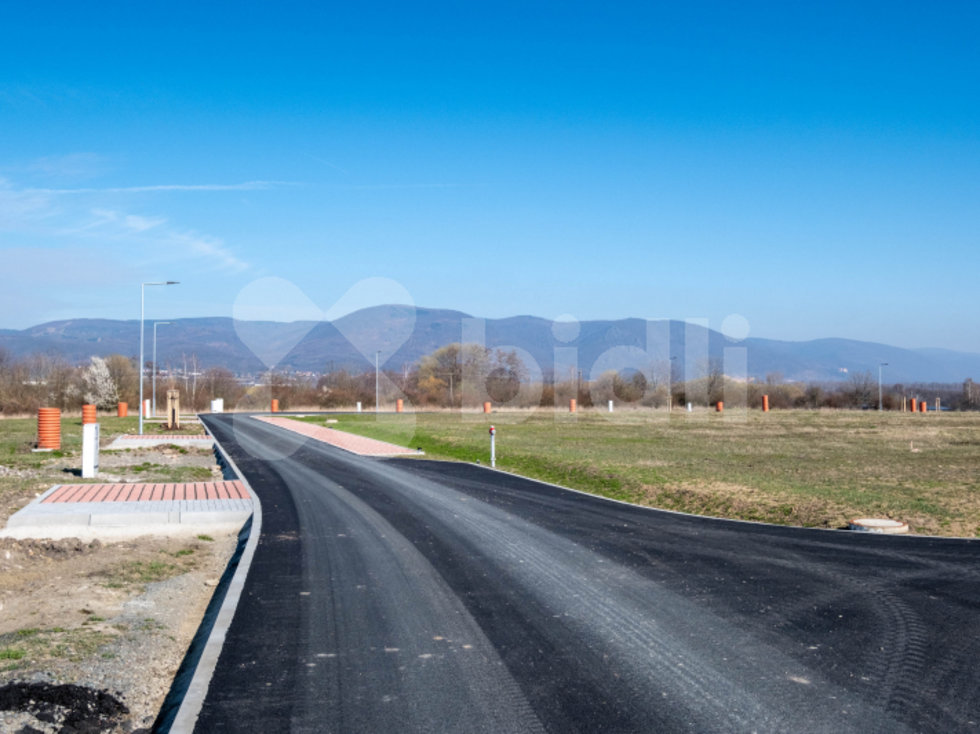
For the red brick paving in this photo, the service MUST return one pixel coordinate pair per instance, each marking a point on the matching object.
(147, 492)
(340, 439)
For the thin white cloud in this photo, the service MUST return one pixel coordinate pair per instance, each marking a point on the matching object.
(59, 221)
(210, 248)
(383, 187)
(137, 223)
(245, 186)
(115, 224)
(18, 205)
(71, 166)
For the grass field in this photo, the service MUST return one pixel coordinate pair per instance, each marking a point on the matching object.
(809, 468)
(24, 473)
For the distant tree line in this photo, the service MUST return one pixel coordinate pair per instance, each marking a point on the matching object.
(41, 380)
(454, 376)
(464, 375)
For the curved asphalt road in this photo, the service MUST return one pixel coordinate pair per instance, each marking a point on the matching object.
(418, 596)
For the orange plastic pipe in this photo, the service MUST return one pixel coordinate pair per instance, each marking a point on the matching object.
(48, 428)
(572, 405)
(487, 407)
(88, 414)
(720, 407)
(275, 405)
(914, 405)
(765, 403)
(122, 410)
(399, 405)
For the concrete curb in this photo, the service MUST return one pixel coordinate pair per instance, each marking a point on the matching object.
(143, 442)
(193, 699)
(47, 519)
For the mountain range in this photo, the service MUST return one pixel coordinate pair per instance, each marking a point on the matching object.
(398, 336)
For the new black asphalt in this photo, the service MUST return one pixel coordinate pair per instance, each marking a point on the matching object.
(418, 596)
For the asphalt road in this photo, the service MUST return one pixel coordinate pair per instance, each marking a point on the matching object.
(418, 596)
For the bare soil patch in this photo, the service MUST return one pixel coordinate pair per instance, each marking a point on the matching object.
(92, 632)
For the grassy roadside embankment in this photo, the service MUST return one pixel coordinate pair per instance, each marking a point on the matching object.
(808, 468)
(24, 473)
(114, 615)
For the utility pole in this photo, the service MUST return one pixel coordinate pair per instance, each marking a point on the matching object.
(880, 365)
(377, 355)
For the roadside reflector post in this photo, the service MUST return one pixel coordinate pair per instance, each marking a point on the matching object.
(610, 406)
(493, 446)
(358, 406)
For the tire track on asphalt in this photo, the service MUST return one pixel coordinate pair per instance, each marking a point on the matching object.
(425, 656)
(618, 618)
(662, 641)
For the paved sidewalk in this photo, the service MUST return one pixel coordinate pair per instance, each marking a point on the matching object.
(200, 440)
(131, 509)
(342, 440)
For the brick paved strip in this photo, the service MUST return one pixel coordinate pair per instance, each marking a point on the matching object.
(78, 493)
(340, 439)
(235, 490)
(89, 494)
(114, 491)
(62, 494)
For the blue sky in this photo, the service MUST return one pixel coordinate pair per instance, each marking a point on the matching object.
(813, 169)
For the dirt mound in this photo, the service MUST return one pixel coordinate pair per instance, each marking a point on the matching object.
(69, 709)
(46, 548)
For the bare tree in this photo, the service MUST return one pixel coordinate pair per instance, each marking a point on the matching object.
(971, 393)
(125, 376)
(861, 390)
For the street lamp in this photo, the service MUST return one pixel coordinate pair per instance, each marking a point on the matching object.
(153, 379)
(376, 356)
(142, 290)
(670, 385)
(880, 365)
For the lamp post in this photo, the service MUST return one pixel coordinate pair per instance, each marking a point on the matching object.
(153, 379)
(880, 365)
(376, 393)
(670, 385)
(142, 291)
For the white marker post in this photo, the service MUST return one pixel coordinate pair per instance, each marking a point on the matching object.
(493, 446)
(90, 450)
